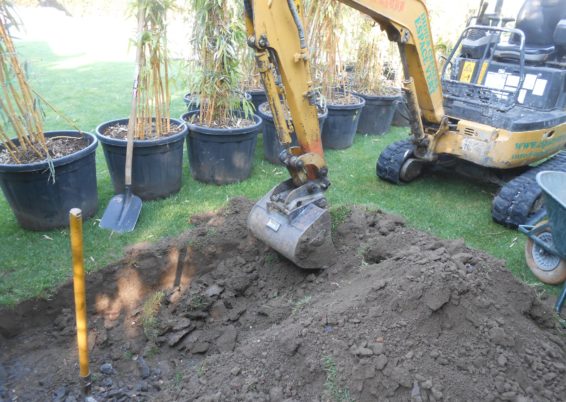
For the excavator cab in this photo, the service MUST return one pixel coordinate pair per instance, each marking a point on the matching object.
(512, 78)
(504, 101)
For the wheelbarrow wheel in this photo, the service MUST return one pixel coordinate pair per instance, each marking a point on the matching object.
(548, 268)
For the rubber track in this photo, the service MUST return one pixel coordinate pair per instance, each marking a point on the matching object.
(512, 205)
(391, 160)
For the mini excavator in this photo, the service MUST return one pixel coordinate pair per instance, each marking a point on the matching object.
(497, 109)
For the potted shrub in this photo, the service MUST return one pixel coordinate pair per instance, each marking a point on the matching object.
(223, 131)
(42, 174)
(369, 81)
(252, 84)
(158, 139)
(272, 148)
(344, 108)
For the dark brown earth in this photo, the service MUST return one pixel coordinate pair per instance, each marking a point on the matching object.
(339, 98)
(58, 147)
(401, 316)
(120, 131)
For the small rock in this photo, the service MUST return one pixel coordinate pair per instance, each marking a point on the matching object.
(499, 337)
(227, 341)
(107, 382)
(416, 392)
(143, 368)
(377, 348)
(464, 258)
(436, 393)
(200, 347)
(502, 361)
(235, 370)
(213, 290)
(427, 384)
(437, 297)
(181, 323)
(106, 368)
(380, 362)
(175, 337)
(549, 376)
(290, 344)
(59, 394)
(361, 351)
(142, 386)
(363, 371)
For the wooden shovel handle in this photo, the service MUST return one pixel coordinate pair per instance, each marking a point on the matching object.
(133, 111)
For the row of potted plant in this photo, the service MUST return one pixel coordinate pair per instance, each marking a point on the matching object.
(43, 175)
(220, 124)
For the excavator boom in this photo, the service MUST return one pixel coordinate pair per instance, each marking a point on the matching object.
(293, 217)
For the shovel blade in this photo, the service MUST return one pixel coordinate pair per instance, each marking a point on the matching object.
(303, 237)
(122, 212)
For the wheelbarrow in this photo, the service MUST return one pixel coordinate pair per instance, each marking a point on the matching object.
(545, 250)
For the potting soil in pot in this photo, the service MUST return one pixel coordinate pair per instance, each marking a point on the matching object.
(400, 316)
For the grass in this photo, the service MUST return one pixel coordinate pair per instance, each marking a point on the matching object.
(331, 386)
(33, 264)
(149, 314)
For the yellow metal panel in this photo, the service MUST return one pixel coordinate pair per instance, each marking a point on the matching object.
(490, 147)
(409, 20)
(467, 71)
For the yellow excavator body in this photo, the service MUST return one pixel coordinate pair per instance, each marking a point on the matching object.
(461, 124)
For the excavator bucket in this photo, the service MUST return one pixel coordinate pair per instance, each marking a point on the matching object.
(303, 236)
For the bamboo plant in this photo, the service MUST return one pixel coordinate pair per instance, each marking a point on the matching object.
(252, 78)
(373, 54)
(324, 20)
(218, 33)
(19, 108)
(153, 95)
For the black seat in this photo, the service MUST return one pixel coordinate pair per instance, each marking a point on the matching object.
(538, 20)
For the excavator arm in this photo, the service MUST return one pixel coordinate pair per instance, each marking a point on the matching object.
(293, 218)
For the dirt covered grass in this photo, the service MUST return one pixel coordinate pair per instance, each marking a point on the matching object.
(215, 315)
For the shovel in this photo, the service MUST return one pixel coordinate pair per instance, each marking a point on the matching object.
(121, 214)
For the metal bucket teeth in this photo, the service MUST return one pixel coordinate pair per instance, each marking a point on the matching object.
(304, 238)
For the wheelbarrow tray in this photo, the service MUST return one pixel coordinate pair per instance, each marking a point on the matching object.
(553, 185)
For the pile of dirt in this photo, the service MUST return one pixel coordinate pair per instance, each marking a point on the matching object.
(215, 315)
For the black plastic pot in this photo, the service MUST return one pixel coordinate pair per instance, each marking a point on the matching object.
(192, 101)
(221, 156)
(402, 114)
(271, 145)
(40, 203)
(258, 97)
(378, 114)
(157, 165)
(341, 124)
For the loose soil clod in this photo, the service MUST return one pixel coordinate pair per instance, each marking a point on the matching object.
(215, 315)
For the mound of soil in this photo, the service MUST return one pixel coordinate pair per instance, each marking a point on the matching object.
(215, 315)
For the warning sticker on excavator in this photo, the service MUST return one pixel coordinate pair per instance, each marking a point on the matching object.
(467, 71)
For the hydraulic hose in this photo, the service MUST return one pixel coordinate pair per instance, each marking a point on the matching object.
(298, 23)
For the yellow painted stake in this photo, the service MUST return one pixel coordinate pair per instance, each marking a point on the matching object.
(76, 221)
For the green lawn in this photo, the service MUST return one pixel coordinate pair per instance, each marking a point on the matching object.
(32, 264)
